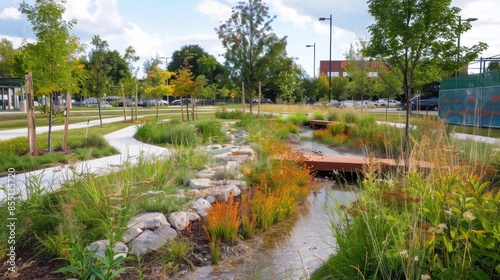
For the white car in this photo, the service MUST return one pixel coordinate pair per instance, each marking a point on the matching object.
(387, 103)
(162, 102)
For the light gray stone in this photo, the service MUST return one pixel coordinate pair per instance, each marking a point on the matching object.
(243, 150)
(210, 199)
(239, 183)
(120, 249)
(148, 220)
(179, 220)
(193, 216)
(201, 206)
(221, 193)
(205, 174)
(151, 240)
(131, 234)
(200, 183)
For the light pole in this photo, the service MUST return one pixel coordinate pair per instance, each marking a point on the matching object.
(460, 20)
(314, 62)
(166, 64)
(330, 61)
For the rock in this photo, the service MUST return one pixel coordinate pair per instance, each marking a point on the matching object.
(232, 166)
(120, 249)
(201, 206)
(151, 240)
(239, 183)
(222, 192)
(179, 220)
(148, 220)
(131, 234)
(243, 150)
(192, 215)
(210, 199)
(205, 174)
(200, 183)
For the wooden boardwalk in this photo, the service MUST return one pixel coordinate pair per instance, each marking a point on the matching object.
(353, 164)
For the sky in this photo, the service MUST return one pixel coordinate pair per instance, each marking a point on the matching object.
(157, 28)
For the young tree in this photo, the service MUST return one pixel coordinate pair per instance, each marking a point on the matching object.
(129, 78)
(48, 58)
(251, 46)
(157, 81)
(98, 80)
(7, 54)
(185, 86)
(414, 36)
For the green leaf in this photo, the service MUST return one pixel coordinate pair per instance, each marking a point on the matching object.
(447, 244)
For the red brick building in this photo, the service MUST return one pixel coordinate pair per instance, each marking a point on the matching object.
(338, 68)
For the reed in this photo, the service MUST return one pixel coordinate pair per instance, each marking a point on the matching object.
(223, 221)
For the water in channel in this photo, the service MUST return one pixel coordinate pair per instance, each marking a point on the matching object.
(292, 249)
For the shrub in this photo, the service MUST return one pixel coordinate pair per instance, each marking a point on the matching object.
(225, 114)
(350, 117)
(317, 115)
(337, 128)
(211, 131)
(333, 116)
(298, 118)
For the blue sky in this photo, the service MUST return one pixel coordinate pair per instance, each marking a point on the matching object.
(159, 27)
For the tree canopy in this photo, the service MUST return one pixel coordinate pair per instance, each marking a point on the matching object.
(251, 46)
(418, 38)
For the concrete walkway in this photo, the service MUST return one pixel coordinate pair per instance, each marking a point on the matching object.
(52, 178)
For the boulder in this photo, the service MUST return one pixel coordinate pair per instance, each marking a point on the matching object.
(120, 249)
(151, 240)
(148, 220)
(200, 183)
(131, 234)
(179, 220)
(201, 206)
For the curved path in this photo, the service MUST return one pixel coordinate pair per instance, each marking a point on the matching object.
(51, 178)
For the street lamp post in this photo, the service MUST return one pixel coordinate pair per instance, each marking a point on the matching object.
(166, 64)
(460, 20)
(329, 62)
(314, 62)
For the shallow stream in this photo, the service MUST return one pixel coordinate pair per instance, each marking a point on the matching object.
(292, 249)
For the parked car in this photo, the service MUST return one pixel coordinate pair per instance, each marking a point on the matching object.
(161, 102)
(387, 103)
(104, 104)
(184, 100)
(351, 104)
(425, 104)
(81, 103)
(334, 103)
(128, 103)
(263, 101)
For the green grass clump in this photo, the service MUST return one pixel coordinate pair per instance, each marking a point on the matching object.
(318, 115)
(350, 117)
(333, 116)
(226, 114)
(211, 131)
(167, 133)
(298, 118)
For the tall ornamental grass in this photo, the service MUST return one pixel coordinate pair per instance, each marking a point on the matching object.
(437, 221)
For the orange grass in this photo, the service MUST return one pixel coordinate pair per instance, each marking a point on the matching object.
(223, 221)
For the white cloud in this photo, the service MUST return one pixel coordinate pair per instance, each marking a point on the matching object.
(10, 13)
(214, 9)
(288, 14)
(96, 17)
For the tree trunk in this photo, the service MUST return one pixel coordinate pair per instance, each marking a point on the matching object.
(66, 122)
(49, 137)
